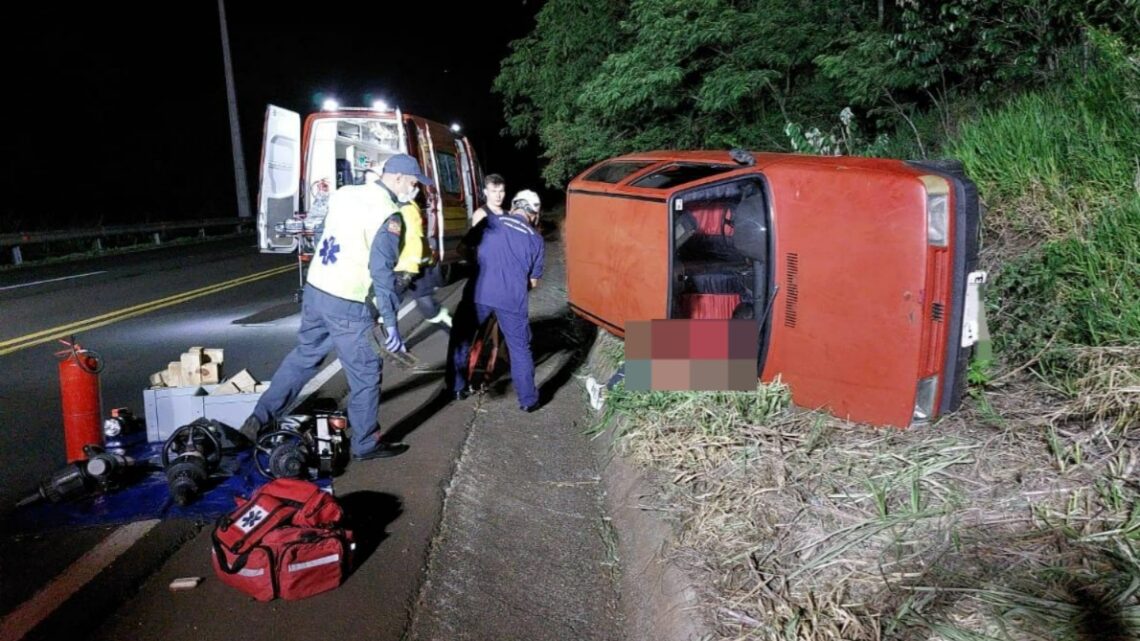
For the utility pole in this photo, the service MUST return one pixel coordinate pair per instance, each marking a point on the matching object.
(235, 128)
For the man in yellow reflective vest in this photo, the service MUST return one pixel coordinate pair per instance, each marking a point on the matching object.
(416, 272)
(356, 256)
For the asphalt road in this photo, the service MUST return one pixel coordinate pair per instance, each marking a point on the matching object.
(186, 296)
(33, 300)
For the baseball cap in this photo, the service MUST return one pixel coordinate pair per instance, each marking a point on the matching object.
(405, 164)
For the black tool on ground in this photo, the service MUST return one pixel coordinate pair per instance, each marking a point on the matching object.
(190, 456)
(100, 472)
(303, 446)
(406, 360)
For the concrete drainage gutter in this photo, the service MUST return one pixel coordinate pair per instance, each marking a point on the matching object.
(658, 600)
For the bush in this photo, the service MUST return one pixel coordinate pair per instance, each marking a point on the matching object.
(1059, 169)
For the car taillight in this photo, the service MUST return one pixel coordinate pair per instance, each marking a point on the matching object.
(924, 398)
(937, 210)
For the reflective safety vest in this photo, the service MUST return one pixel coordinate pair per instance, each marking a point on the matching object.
(414, 253)
(340, 263)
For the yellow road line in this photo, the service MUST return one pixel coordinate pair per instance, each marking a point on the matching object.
(194, 293)
(61, 331)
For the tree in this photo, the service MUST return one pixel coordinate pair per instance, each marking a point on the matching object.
(542, 78)
(599, 78)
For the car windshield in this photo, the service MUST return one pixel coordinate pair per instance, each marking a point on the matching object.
(679, 174)
(616, 171)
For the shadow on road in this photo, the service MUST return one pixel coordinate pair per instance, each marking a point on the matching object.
(368, 514)
(423, 413)
(551, 336)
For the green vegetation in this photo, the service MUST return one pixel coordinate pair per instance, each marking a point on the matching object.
(798, 527)
(1018, 518)
(1060, 168)
(1040, 99)
(600, 77)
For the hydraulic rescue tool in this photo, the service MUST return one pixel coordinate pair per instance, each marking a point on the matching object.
(99, 472)
(194, 453)
(302, 445)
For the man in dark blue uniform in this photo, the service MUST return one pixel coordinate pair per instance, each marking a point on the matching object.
(358, 252)
(510, 255)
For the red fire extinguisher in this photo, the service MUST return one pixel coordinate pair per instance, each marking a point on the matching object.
(82, 402)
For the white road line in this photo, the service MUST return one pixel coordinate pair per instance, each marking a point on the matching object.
(26, 617)
(315, 383)
(30, 613)
(405, 310)
(51, 280)
(330, 370)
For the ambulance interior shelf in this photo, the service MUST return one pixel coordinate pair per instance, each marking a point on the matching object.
(355, 158)
(720, 252)
(363, 144)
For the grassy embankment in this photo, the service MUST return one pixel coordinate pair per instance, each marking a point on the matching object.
(1017, 518)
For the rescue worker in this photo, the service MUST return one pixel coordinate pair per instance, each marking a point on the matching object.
(356, 254)
(510, 257)
(494, 191)
(416, 274)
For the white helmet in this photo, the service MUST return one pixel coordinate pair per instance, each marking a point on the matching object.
(526, 200)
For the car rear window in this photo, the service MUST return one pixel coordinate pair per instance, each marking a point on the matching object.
(615, 172)
(679, 174)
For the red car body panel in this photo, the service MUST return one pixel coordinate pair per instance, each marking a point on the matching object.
(862, 300)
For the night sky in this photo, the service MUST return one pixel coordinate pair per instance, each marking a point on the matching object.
(115, 123)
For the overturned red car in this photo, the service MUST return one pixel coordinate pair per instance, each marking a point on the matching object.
(860, 272)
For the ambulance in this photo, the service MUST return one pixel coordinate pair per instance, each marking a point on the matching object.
(302, 165)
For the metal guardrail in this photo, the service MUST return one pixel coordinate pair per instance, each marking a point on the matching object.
(15, 240)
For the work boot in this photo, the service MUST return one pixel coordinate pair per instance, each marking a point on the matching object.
(250, 428)
(383, 450)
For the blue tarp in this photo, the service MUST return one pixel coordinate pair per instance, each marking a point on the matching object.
(145, 496)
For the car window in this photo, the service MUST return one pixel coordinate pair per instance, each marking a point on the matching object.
(679, 174)
(448, 172)
(616, 171)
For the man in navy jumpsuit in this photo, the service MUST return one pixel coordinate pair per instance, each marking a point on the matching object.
(355, 256)
(509, 254)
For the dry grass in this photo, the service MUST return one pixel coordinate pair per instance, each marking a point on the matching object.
(1109, 387)
(1003, 522)
(1016, 519)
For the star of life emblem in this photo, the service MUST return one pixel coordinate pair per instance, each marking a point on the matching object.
(250, 519)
